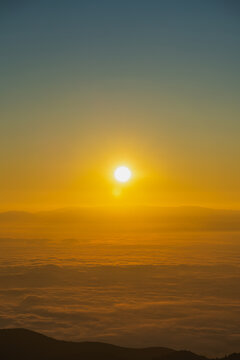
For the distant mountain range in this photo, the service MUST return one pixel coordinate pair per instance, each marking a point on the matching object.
(25, 345)
(161, 218)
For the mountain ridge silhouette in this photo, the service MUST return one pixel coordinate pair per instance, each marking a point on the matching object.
(20, 343)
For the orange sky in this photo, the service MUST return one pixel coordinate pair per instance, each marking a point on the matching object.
(152, 86)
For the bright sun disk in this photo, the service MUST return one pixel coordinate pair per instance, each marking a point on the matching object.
(122, 174)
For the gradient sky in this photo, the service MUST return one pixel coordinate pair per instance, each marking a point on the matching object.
(87, 85)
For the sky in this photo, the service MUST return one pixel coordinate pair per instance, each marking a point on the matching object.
(88, 85)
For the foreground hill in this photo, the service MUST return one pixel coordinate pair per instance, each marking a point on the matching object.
(25, 344)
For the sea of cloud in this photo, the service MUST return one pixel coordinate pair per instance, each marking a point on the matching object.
(178, 290)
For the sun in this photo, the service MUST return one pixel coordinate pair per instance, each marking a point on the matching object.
(122, 174)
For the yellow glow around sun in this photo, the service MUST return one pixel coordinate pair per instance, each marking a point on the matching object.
(122, 174)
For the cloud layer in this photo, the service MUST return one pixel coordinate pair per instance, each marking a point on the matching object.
(180, 291)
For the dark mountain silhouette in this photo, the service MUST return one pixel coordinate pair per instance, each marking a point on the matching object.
(25, 345)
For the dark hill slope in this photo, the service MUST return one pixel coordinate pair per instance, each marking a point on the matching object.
(25, 345)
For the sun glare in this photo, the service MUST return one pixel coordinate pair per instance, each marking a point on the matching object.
(122, 174)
